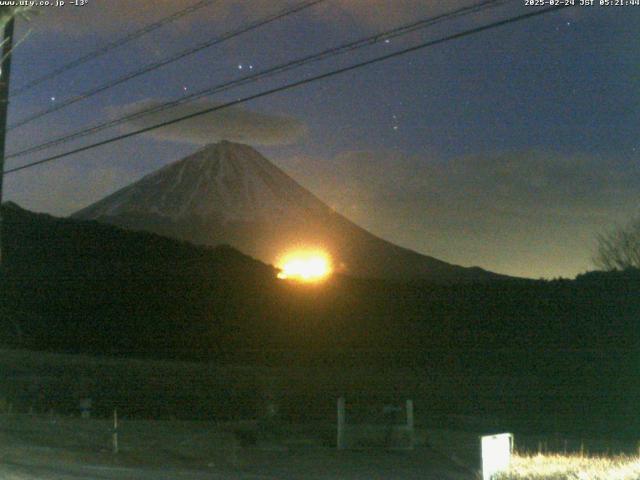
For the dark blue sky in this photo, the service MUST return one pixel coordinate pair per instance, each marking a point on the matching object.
(509, 149)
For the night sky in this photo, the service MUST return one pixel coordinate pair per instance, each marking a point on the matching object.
(510, 149)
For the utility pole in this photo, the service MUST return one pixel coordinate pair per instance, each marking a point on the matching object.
(5, 72)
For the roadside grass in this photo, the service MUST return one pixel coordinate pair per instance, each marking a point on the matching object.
(572, 467)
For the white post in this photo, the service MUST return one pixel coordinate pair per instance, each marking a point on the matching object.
(495, 454)
(115, 430)
(410, 423)
(341, 423)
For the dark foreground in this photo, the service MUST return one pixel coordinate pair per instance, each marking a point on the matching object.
(48, 447)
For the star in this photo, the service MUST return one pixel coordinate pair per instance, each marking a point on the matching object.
(185, 88)
(53, 99)
(239, 66)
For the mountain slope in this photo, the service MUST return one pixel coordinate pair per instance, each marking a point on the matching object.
(229, 193)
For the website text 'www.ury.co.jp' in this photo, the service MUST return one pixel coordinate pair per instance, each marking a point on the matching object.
(43, 3)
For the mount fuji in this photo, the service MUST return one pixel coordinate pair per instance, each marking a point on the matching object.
(228, 193)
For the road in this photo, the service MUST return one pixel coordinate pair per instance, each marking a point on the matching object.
(59, 471)
(312, 465)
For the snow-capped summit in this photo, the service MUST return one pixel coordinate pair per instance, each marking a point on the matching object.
(229, 193)
(227, 180)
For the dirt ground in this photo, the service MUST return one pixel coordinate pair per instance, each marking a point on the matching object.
(64, 448)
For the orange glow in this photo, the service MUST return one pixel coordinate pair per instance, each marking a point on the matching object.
(305, 266)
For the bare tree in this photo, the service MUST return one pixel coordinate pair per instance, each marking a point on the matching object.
(619, 249)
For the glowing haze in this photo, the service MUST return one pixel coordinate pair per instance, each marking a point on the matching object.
(305, 266)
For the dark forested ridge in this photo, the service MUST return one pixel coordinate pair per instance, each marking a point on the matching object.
(82, 287)
(76, 285)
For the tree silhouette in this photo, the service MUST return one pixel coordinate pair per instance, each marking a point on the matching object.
(619, 249)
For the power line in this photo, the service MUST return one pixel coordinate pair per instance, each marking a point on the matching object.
(298, 83)
(248, 79)
(113, 45)
(185, 53)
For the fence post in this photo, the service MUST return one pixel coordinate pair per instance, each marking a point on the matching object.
(115, 431)
(85, 407)
(341, 423)
(410, 423)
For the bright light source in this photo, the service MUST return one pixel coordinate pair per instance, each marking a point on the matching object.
(496, 454)
(305, 266)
